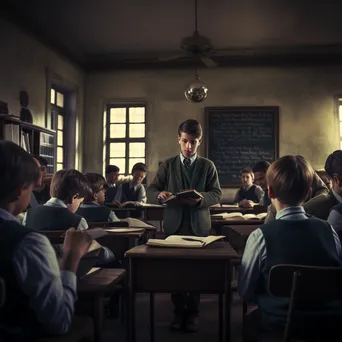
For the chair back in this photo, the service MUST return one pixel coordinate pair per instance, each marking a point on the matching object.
(56, 237)
(305, 286)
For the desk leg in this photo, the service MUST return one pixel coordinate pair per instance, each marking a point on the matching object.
(152, 316)
(131, 305)
(220, 321)
(98, 317)
(228, 272)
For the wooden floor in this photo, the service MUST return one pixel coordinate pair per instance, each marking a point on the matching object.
(114, 331)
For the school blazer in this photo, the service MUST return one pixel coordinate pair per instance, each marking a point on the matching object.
(204, 179)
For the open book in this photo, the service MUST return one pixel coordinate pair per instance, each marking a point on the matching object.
(184, 241)
(186, 194)
(135, 223)
(238, 216)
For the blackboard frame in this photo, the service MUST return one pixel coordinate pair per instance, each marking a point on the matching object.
(233, 109)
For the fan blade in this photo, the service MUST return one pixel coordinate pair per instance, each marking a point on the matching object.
(208, 62)
(171, 57)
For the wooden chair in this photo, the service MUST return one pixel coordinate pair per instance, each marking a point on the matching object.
(305, 286)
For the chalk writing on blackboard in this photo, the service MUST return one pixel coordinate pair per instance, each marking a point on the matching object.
(239, 137)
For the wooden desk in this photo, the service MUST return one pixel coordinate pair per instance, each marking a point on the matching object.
(217, 225)
(237, 235)
(167, 270)
(96, 285)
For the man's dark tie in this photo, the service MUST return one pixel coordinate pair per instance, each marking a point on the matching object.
(187, 162)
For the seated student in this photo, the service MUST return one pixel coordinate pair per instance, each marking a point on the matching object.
(248, 191)
(92, 209)
(42, 193)
(33, 200)
(288, 180)
(322, 174)
(41, 292)
(133, 192)
(68, 189)
(112, 176)
(259, 171)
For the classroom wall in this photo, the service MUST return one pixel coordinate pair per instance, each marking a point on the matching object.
(308, 123)
(24, 62)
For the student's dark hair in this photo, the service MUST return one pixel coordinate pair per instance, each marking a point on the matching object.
(17, 167)
(290, 178)
(111, 168)
(261, 166)
(97, 182)
(67, 183)
(191, 127)
(333, 164)
(247, 170)
(139, 167)
(324, 176)
(42, 161)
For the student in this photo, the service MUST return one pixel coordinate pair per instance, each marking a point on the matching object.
(92, 209)
(40, 292)
(133, 192)
(187, 217)
(288, 180)
(42, 192)
(325, 178)
(68, 189)
(112, 176)
(259, 171)
(33, 200)
(248, 191)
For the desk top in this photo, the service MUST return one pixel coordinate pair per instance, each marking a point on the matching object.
(216, 250)
(101, 281)
(244, 230)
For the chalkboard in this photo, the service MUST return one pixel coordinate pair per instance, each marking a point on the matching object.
(239, 137)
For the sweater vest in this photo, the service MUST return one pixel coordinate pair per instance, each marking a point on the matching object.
(95, 213)
(248, 194)
(307, 242)
(51, 218)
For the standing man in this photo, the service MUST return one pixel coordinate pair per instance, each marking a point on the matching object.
(191, 216)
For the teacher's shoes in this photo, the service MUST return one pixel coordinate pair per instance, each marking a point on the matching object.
(177, 322)
(192, 323)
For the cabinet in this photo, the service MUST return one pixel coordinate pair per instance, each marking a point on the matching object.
(36, 140)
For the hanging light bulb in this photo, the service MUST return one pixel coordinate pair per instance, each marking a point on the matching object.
(196, 91)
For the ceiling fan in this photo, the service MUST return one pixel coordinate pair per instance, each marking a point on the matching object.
(195, 46)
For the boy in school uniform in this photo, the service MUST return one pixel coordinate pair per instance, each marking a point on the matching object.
(133, 192)
(41, 293)
(248, 191)
(42, 192)
(187, 217)
(293, 238)
(112, 176)
(92, 209)
(259, 171)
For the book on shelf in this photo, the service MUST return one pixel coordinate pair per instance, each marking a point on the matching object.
(11, 133)
(184, 241)
(238, 216)
(186, 194)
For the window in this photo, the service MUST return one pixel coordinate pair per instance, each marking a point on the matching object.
(125, 132)
(57, 123)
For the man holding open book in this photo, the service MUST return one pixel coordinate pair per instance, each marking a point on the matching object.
(189, 185)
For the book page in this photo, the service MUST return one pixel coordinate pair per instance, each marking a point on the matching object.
(94, 269)
(212, 238)
(96, 233)
(232, 206)
(135, 223)
(189, 194)
(124, 230)
(261, 216)
(176, 241)
(94, 245)
(235, 215)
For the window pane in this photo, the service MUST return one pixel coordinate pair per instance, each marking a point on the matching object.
(59, 166)
(117, 131)
(133, 161)
(52, 96)
(137, 150)
(60, 138)
(119, 162)
(340, 112)
(137, 114)
(117, 150)
(60, 100)
(117, 115)
(340, 145)
(341, 129)
(137, 130)
(59, 154)
(60, 122)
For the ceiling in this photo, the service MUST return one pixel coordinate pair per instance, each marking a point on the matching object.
(136, 33)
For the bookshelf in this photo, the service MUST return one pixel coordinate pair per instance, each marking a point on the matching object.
(36, 140)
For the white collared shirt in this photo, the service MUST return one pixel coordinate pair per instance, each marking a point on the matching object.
(192, 159)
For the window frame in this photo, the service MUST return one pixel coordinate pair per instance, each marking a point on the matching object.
(127, 140)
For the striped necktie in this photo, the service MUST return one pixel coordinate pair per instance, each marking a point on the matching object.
(187, 162)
